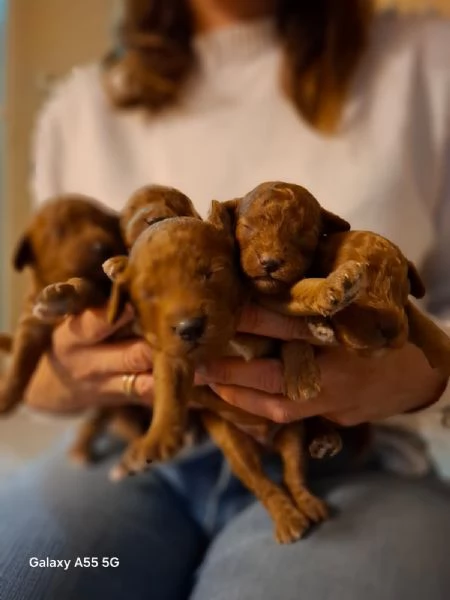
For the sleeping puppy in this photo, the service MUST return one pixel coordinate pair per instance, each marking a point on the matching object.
(278, 227)
(183, 279)
(68, 239)
(150, 204)
(382, 316)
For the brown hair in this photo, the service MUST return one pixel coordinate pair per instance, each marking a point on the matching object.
(323, 41)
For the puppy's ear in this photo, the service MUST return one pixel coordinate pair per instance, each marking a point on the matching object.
(331, 223)
(115, 267)
(117, 301)
(417, 286)
(223, 216)
(23, 254)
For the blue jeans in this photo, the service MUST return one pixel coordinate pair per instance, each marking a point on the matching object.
(190, 531)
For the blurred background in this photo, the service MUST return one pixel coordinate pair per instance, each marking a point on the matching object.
(40, 41)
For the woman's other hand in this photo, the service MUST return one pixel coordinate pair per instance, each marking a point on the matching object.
(354, 389)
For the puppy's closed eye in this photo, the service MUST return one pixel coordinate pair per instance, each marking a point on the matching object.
(153, 220)
(205, 273)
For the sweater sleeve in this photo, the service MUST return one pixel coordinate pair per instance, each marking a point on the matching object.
(435, 50)
(437, 271)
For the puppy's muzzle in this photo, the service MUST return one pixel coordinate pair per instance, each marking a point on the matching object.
(269, 264)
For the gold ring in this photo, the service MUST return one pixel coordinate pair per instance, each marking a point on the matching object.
(128, 384)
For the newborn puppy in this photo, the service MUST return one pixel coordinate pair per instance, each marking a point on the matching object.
(187, 303)
(278, 227)
(69, 238)
(151, 204)
(382, 316)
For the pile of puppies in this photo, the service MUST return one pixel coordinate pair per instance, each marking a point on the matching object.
(187, 280)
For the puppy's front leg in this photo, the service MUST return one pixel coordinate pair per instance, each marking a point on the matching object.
(173, 381)
(301, 371)
(244, 456)
(323, 296)
(66, 298)
(31, 341)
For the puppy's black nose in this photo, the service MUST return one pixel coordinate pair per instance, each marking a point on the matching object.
(102, 250)
(270, 265)
(191, 330)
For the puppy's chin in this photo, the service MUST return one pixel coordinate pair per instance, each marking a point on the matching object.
(268, 285)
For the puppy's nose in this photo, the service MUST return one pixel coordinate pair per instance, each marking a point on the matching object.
(270, 265)
(191, 330)
(102, 250)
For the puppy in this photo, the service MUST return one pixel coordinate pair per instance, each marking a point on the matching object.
(183, 279)
(382, 316)
(151, 204)
(67, 240)
(278, 227)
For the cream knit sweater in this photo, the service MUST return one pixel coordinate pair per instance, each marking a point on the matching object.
(387, 169)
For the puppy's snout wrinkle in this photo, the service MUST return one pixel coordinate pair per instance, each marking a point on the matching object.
(191, 330)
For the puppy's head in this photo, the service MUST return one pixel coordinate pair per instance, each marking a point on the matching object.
(70, 236)
(278, 227)
(150, 204)
(183, 281)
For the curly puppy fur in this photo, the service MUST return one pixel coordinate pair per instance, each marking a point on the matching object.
(187, 304)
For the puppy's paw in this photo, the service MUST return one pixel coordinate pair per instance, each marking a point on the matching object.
(132, 461)
(290, 525)
(304, 387)
(146, 450)
(113, 267)
(301, 371)
(342, 287)
(162, 447)
(55, 301)
(321, 330)
(310, 506)
(325, 446)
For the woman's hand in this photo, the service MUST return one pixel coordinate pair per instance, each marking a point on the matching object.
(84, 370)
(354, 389)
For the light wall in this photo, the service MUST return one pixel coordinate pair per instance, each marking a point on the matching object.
(44, 39)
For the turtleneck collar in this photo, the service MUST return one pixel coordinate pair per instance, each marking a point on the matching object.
(239, 43)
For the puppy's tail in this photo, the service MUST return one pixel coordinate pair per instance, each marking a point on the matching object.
(429, 337)
(6, 342)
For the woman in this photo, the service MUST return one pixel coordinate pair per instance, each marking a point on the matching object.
(213, 97)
